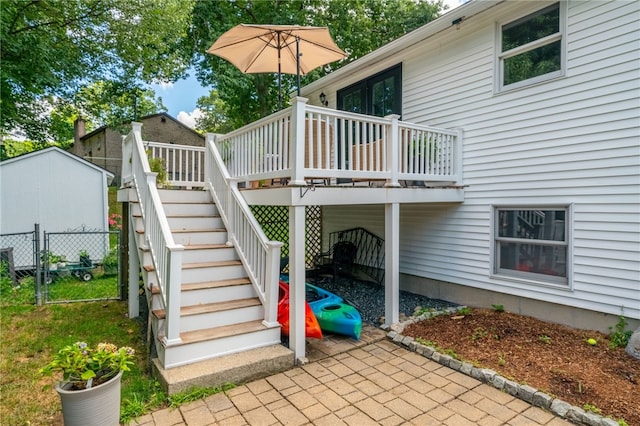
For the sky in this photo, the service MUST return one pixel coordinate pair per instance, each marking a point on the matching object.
(180, 97)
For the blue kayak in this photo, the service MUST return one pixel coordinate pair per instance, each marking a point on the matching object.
(331, 311)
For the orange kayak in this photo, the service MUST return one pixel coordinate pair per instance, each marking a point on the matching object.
(312, 328)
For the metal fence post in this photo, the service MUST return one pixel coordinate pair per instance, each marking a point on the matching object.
(36, 249)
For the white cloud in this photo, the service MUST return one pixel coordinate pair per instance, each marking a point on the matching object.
(189, 118)
(165, 85)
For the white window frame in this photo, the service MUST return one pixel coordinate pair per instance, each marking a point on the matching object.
(564, 283)
(500, 56)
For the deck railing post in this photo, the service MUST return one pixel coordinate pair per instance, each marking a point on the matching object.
(297, 140)
(208, 160)
(173, 288)
(272, 276)
(393, 149)
(458, 157)
(230, 211)
(151, 182)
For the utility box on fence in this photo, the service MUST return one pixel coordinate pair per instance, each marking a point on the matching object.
(60, 191)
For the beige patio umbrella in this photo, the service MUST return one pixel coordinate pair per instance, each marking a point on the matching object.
(289, 49)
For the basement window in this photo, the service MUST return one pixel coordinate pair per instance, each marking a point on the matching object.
(532, 243)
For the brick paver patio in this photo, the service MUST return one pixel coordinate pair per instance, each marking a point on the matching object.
(375, 382)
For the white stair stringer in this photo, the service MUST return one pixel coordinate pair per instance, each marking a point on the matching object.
(220, 313)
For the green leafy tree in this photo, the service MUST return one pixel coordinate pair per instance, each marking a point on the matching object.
(358, 26)
(53, 47)
(12, 147)
(213, 114)
(111, 103)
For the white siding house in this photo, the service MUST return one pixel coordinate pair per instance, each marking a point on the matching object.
(55, 189)
(557, 150)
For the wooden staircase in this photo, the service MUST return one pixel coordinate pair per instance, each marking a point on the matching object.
(220, 312)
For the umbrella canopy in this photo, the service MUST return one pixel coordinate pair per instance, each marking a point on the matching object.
(289, 49)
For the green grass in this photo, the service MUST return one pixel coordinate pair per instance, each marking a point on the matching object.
(69, 287)
(30, 335)
(63, 288)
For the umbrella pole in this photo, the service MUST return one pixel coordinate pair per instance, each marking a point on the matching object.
(298, 61)
(279, 83)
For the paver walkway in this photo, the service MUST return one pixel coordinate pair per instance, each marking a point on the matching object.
(379, 383)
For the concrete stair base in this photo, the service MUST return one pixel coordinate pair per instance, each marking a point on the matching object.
(235, 368)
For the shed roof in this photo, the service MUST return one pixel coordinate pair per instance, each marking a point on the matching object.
(63, 152)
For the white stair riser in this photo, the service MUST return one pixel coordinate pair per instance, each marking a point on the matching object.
(146, 257)
(181, 210)
(185, 354)
(195, 222)
(141, 240)
(220, 294)
(156, 302)
(209, 255)
(193, 238)
(172, 196)
(222, 318)
(198, 275)
(190, 209)
(135, 210)
(138, 223)
(150, 278)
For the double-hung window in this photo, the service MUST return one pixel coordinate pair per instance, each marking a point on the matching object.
(532, 48)
(532, 243)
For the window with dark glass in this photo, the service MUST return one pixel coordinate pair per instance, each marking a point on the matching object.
(531, 243)
(379, 95)
(531, 47)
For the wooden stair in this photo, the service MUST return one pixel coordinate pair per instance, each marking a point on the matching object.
(220, 312)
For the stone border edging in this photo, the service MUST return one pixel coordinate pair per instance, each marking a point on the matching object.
(524, 392)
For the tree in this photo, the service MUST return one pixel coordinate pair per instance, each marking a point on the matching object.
(51, 48)
(104, 103)
(214, 116)
(358, 26)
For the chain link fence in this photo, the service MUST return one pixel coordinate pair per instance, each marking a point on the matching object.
(17, 255)
(81, 266)
(66, 267)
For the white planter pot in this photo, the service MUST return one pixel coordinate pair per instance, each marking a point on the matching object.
(97, 406)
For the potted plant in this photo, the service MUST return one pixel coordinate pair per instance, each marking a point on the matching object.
(85, 260)
(159, 166)
(90, 386)
(51, 261)
(110, 262)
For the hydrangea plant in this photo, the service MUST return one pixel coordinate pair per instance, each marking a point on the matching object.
(86, 366)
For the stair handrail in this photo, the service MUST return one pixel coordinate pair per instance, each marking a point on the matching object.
(259, 255)
(166, 255)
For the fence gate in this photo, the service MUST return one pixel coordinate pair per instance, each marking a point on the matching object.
(18, 254)
(81, 266)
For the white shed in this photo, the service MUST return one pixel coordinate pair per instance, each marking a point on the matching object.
(56, 189)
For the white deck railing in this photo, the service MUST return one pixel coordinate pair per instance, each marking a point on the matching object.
(260, 256)
(305, 142)
(166, 255)
(184, 164)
